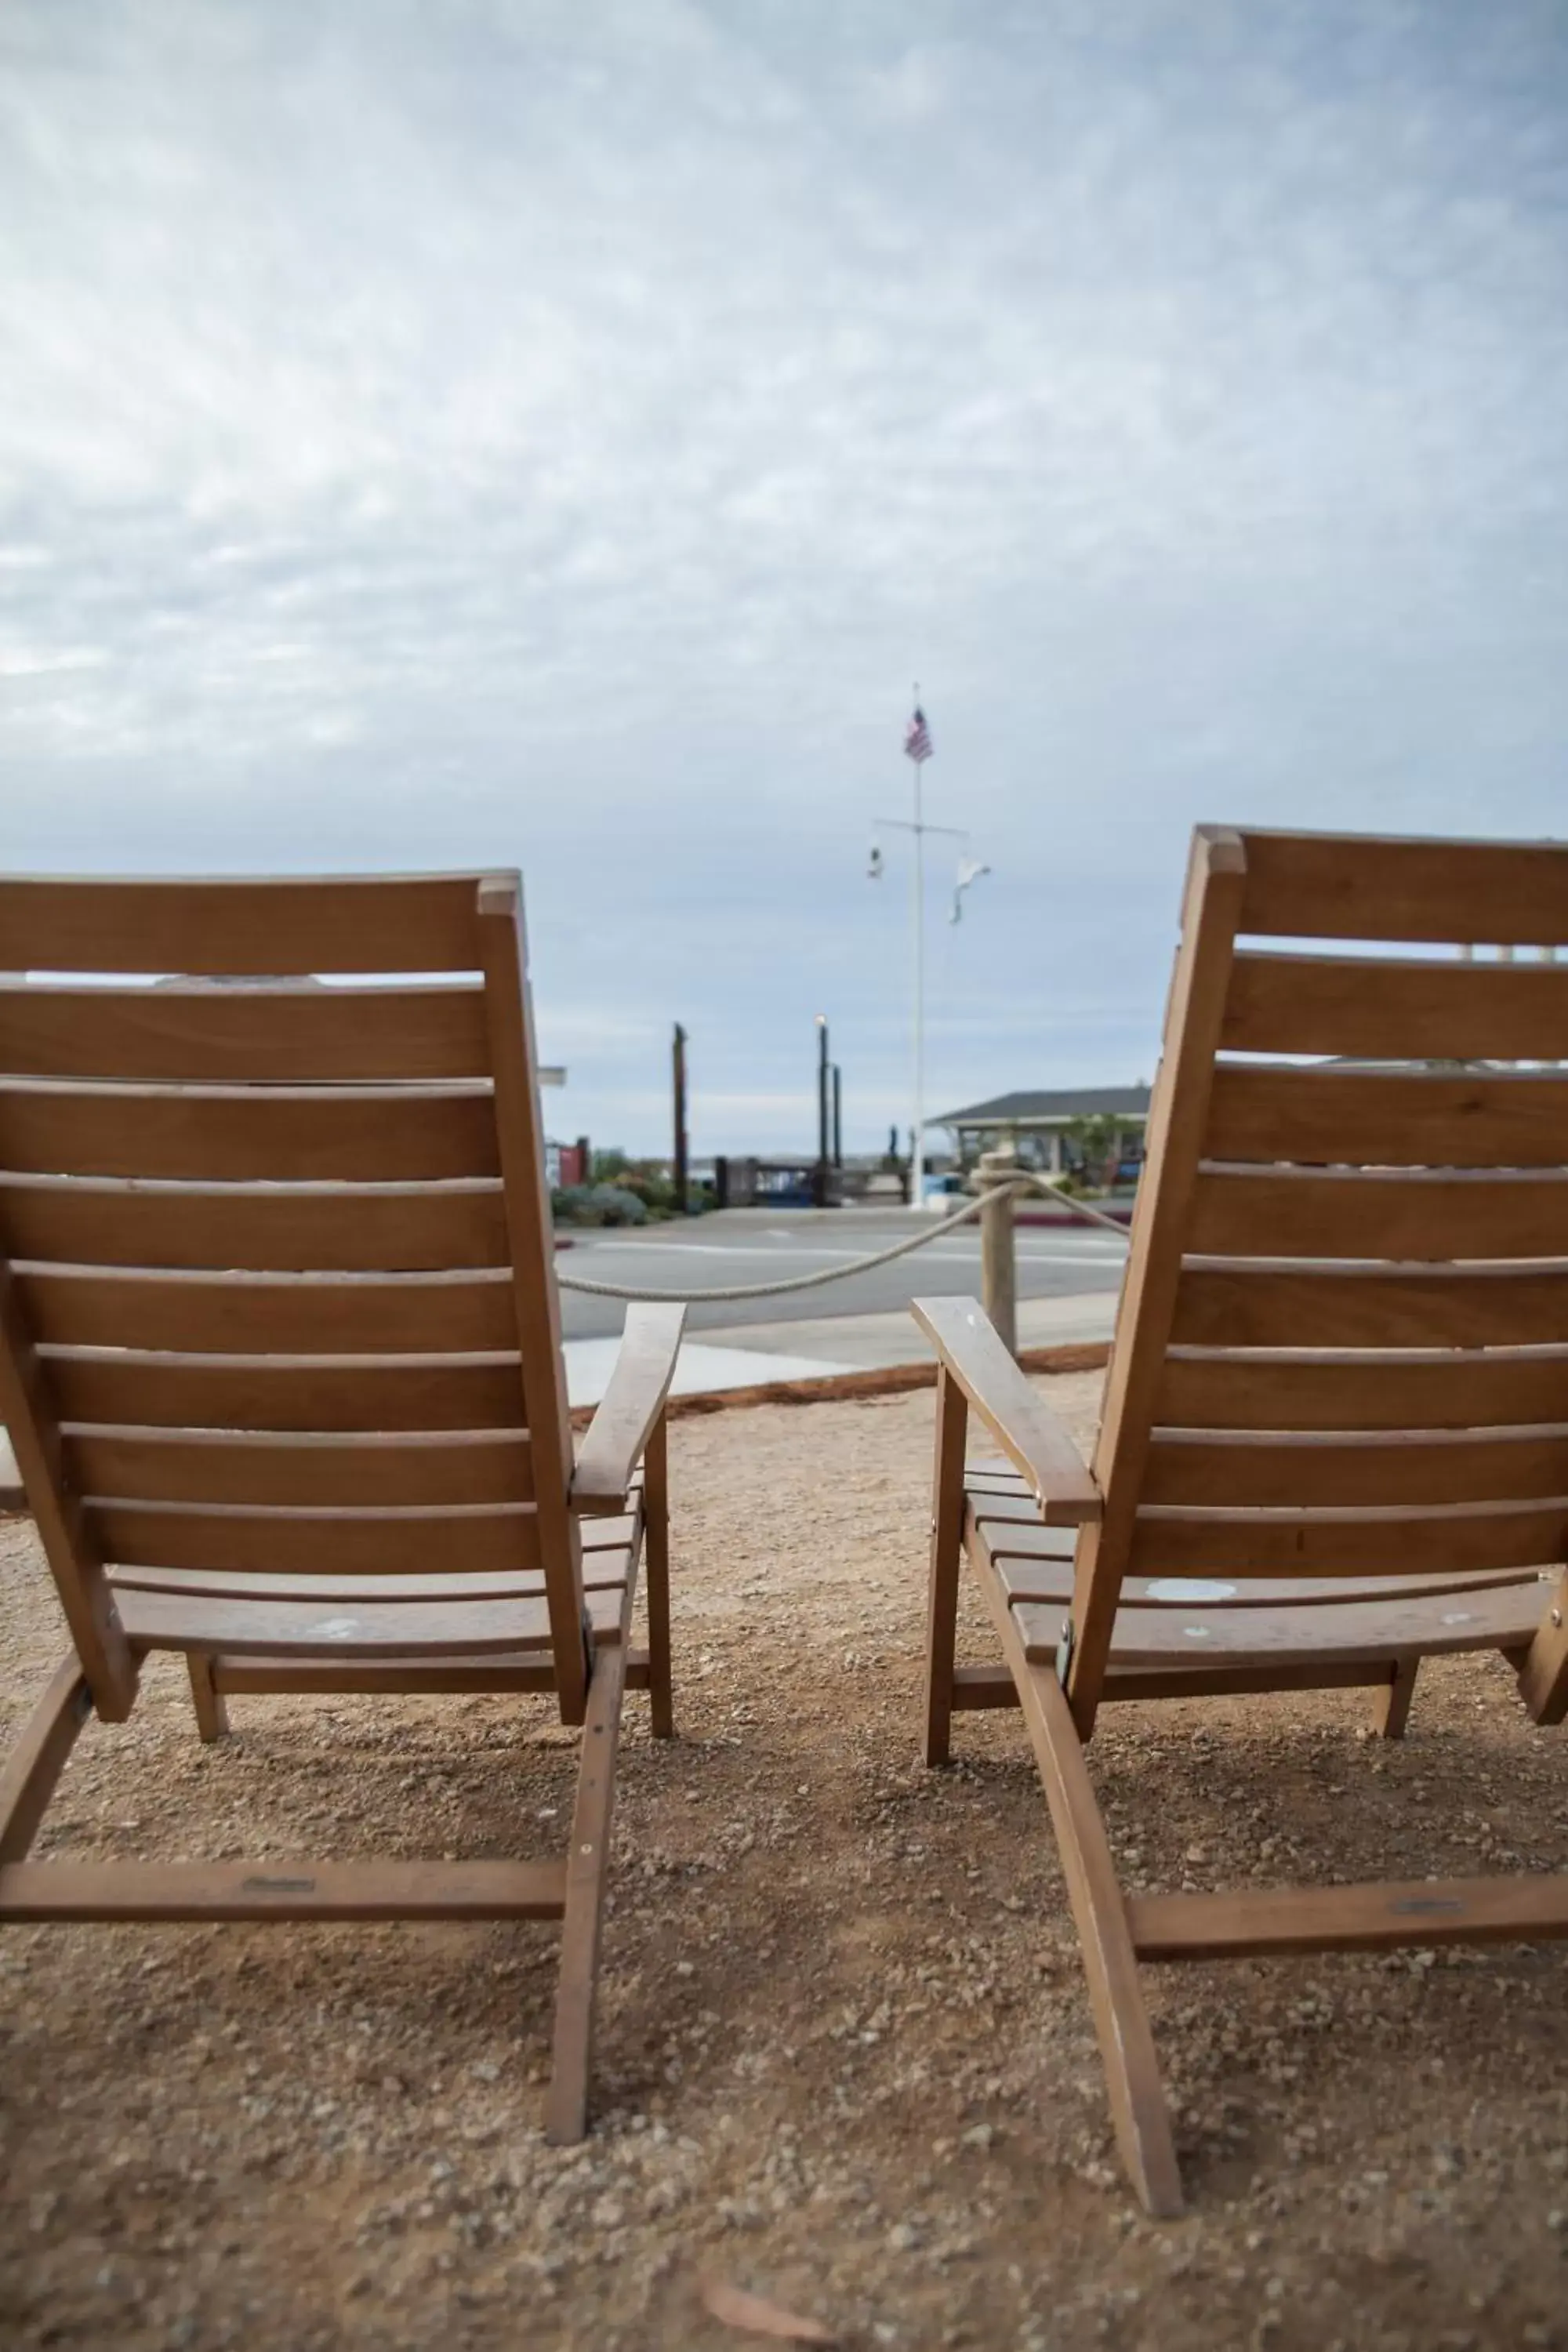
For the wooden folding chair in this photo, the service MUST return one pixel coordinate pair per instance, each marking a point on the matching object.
(1335, 1429)
(281, 1357)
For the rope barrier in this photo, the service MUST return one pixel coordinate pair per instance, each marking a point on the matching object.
(652, 1297)
(1079, 1208)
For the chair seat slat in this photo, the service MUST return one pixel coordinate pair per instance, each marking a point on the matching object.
(1447, 1623)
(163, 1621)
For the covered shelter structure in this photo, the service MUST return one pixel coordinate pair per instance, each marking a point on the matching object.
(1041, 1124)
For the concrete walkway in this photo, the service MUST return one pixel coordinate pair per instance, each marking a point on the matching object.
(803, 1351)
(589, 1364)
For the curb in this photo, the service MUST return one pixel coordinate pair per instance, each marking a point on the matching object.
(1057, 1224)
(889, 1380)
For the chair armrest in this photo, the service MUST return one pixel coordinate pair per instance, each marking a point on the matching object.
(629, 1409)
(1022, 1423)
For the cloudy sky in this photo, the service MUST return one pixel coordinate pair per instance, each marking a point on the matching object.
(557, 433)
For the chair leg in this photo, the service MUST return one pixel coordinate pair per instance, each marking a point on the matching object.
(588, 1867)
(28, 1774)
(1391, 1708)
(1138, 2111)
(656, 1565)
(211, 1714)
(946, 1550)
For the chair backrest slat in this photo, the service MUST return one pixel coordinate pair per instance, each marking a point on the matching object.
(192, 1312)
(326, 1392)
(215, 1030)
(1388, 1009)
(1342, 1347)
(275, 1235)
(1375, 1388)
(1261, 1110)
(306, 1470)
(239, 927)
(1336, 885)
(362, 1133)
(307, 1227)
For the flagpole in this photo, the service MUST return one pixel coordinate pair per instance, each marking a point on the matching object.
(917, 1136)
(917, 750)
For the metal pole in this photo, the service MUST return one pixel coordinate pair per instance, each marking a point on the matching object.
(837, 1117)
(678, 1059)
(917, 1138)
(998, 1255)
(822, 1087)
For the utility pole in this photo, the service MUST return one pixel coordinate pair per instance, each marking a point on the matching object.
(677, 1061)
(822, 1110)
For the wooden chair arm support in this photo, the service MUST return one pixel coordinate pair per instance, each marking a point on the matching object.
(629, 1408)
(1022, 1423)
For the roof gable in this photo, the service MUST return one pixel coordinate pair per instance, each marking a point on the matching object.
(1051, 1103)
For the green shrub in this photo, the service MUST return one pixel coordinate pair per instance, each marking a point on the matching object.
(652, 1188)
(597, 1204)
(626, 1192)
(618, 1206)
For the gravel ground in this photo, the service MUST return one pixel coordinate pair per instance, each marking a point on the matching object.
(845, 2055)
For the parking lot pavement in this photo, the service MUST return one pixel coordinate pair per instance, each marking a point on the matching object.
(736, 1247)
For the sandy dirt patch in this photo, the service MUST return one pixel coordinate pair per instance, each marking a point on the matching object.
(845, 2054)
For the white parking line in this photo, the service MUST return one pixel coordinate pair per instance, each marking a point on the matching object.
(1106, 1253)
(700, 1249)
(1092, 1255)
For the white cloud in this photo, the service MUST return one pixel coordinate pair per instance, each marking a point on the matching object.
(528, 433)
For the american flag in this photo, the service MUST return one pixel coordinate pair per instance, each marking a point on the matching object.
(917, 738)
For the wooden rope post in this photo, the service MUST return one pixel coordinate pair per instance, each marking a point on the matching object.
(998, 1255)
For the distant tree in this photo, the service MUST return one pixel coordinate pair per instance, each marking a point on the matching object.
(1095, 1134)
